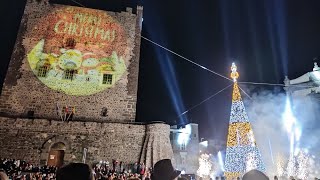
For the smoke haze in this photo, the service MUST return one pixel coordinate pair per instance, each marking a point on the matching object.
(265, 111)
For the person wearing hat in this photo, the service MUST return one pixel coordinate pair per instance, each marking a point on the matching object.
(76, 171)
(163, 170)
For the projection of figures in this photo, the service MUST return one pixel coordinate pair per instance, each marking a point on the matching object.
(81, 53)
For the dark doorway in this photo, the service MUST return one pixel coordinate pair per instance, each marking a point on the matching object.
(56, 154)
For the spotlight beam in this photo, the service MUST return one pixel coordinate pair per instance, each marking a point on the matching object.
(197, 64)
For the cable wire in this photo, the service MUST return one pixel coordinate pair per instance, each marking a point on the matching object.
(197, 64)
(78, 3)
(274, 84)
(204, 100)
(245, 92)
(205, 68)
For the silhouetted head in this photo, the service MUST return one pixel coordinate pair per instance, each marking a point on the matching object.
(163, 170)
(255, 175)
(77, 171)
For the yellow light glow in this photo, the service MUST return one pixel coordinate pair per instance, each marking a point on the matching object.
(242, 153)
(238, 134)
(231, 175)
(236, 96)
(234, 74)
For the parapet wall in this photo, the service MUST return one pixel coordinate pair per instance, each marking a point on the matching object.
(31, 140)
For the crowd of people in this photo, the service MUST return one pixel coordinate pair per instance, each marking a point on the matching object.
(19, 169)
(119, 170)
(103, 170)
(11, 169)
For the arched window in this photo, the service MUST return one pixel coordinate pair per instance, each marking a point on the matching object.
(43, 70)
(70, 70)
(43, 67)
(69, 74)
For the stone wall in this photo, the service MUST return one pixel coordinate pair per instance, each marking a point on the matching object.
(31, 140)
(23, 91)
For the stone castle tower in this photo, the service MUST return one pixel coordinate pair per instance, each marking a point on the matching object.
(71, 89)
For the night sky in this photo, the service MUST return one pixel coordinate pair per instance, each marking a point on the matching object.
(268, 39)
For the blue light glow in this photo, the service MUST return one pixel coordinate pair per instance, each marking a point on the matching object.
(168, 73)
(271, 153)
(293, 129)
(220, 161)
(288, 119)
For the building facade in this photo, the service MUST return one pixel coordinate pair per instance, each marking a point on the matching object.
(74, 57)
(212, 146)
(71, 88)
(185, 145)
(304, 85)
(304, 92)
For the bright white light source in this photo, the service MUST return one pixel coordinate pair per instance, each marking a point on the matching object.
(291, 144)
(183, 172)
(220, 161)
(296, 151)
(204, 143)
(316, 75)
(184, 135)
(288, 118)
(297, 133)
(205, 166)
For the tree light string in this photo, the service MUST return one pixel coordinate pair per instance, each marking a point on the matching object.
(242, 153)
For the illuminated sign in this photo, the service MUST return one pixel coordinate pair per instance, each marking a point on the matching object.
(82, 52)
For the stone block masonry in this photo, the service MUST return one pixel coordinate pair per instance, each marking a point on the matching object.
(84, 59)
(31, 140)
(107, 38)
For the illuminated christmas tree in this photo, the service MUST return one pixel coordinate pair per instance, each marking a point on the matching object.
(242, 153)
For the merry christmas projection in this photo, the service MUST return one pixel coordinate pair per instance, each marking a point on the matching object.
(242, 153)
(81, 52)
